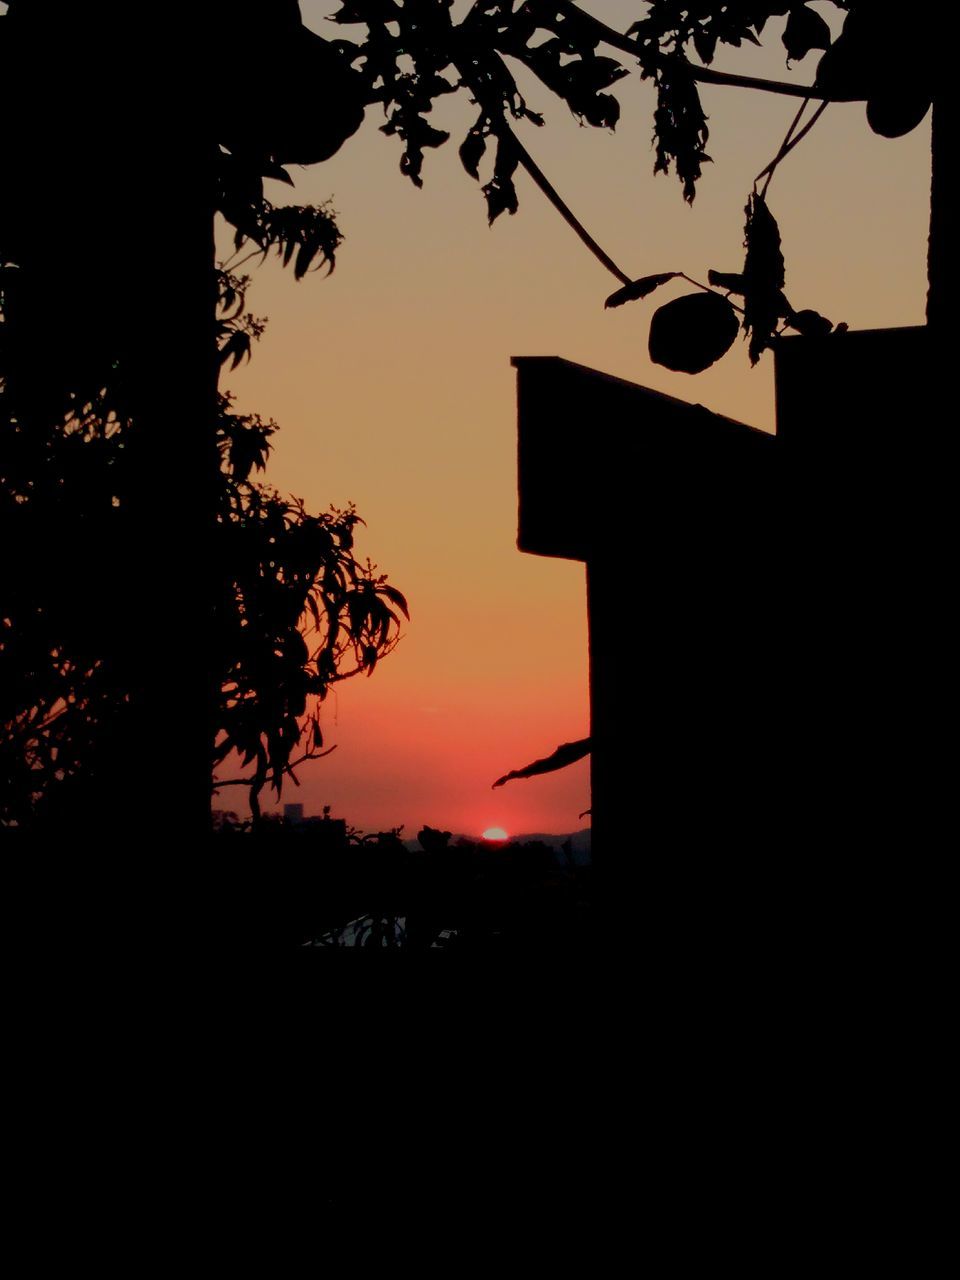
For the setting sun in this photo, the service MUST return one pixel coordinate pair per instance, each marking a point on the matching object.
(495, 833)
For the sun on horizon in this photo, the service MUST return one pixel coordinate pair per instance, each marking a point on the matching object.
(495, 833)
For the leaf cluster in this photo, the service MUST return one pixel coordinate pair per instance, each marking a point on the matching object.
(304, 236)
(666, 38)
(692, 332)
(413, 54)
(237, 330)
(298, 613)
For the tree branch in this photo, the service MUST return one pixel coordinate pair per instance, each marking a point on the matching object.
(502, 129)
(706, 76)
(608, 35)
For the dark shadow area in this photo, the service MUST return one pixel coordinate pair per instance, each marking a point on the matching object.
(311, 887)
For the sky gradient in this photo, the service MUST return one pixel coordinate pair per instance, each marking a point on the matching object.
(392, 385)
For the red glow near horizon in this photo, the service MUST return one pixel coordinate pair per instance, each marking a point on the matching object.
(495, 833)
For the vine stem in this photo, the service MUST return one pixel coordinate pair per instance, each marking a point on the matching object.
(788, 144)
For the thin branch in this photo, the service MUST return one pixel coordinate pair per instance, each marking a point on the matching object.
(246, 782)
(502, 129)
(706, 76)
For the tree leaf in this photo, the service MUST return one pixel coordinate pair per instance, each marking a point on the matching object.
(805, 30)
(679, 125)
(705, 43)
(567, 754)
(396, 597)
(602, 111)
(897, 112)
(641, 288)
(690, 333)
(270, 169)
(471, 152)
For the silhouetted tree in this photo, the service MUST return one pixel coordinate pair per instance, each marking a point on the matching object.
(276, 565)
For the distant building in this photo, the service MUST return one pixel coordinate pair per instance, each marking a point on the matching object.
(293, 812)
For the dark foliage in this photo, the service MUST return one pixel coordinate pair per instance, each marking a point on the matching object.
(294, 886)
(308, 99)
(672, 31)
(879, 55)
(410, 54)
(763, 277)
(680, 126)
(413, 54)
(805, 30)
(295, 610)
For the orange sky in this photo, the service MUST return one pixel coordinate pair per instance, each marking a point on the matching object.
(392, 384)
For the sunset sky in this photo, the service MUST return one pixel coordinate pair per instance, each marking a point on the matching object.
(392, 385)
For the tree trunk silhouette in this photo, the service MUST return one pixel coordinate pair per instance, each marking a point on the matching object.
(161, 755)
(171, 674)
(114, 175)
